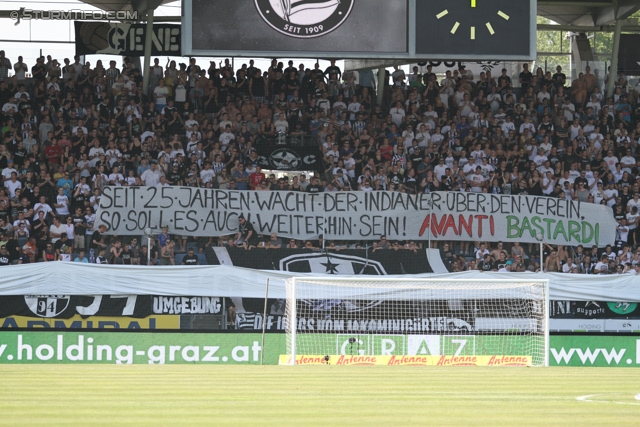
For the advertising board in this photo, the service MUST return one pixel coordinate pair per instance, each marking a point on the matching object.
(590, 350)
(137, 348)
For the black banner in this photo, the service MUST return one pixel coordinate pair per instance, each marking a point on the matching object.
(112, 38)
(348, 261)
(594, 310)
(629, 56)
(392, 316)
(137, 306)
(290, 158)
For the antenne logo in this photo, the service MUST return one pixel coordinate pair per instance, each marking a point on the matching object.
(304, 18)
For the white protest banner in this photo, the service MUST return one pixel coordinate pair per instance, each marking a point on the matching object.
(355, 215)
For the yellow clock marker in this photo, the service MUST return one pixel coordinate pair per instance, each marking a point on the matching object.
(455, 28)
(503, 15)
(473, 3)
(441, 14)
(490, 28)
(473, 33)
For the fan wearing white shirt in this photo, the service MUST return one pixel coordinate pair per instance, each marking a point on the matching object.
(423, 136)
(441, 169)
(507, 126)
(113, 154)
(397, 114)
(225, 138)
(354, 107)
(130, 179)
(190, 123)
(540, 158)
(528, 125)
(594, 104)
(611, 161)
(469, 168)
(96, 150)
(635, 202)
(548, 183)
(408, 136)
(596, 137)
(611, 193)
(13, 184)
(6, 172)
(207, 174)
(41, 206)
(116, 178)
(437, 137)
(62, 203)
(80, 125)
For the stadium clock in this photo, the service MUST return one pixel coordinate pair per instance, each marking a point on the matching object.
(475, 29)
(479, 18)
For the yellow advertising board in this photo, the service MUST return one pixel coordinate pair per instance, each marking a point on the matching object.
(408, 360)
(92, 322)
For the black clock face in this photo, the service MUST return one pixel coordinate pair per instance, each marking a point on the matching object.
(474, 29)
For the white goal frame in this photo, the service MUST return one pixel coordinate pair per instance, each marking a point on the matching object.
(440, 283)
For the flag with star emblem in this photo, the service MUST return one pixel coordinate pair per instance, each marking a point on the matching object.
(348, 261)
(289, 157)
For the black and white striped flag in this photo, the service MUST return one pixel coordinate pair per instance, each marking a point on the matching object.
(291, 7)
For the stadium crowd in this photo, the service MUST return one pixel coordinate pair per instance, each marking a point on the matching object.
(70, 129)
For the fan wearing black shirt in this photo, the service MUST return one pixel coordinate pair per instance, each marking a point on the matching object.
(315, 186)
(175, 176)
(5, 259)
(96, 238)
(395, 177)
(190, 258)
(333, 70)
(246, 232)
(486, 264)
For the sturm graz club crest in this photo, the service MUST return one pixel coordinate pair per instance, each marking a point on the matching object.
(47, 305)
(285, 159)
(288, 159)
(304, 18)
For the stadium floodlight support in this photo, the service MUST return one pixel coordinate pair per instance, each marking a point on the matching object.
(540, 239)
(429, 231)
(148, 232)
(264, 320)
(494, 318)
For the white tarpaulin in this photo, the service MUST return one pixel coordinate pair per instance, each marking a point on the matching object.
(350, 215)
(60, 278)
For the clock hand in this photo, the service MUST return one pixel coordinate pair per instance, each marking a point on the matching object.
(473, 3)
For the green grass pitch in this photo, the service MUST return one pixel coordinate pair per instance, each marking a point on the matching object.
(188, 395)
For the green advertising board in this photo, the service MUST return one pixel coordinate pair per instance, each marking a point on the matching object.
(137, 348)
(594, 350)
(423, 345)
(235, 348)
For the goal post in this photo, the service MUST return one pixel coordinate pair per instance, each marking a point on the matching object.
(423, 321)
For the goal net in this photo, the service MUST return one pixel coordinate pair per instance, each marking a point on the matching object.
(346, 320)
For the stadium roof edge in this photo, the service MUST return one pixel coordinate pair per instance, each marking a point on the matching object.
(567, 12)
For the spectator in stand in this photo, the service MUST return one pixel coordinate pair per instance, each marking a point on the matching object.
(191, 258)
